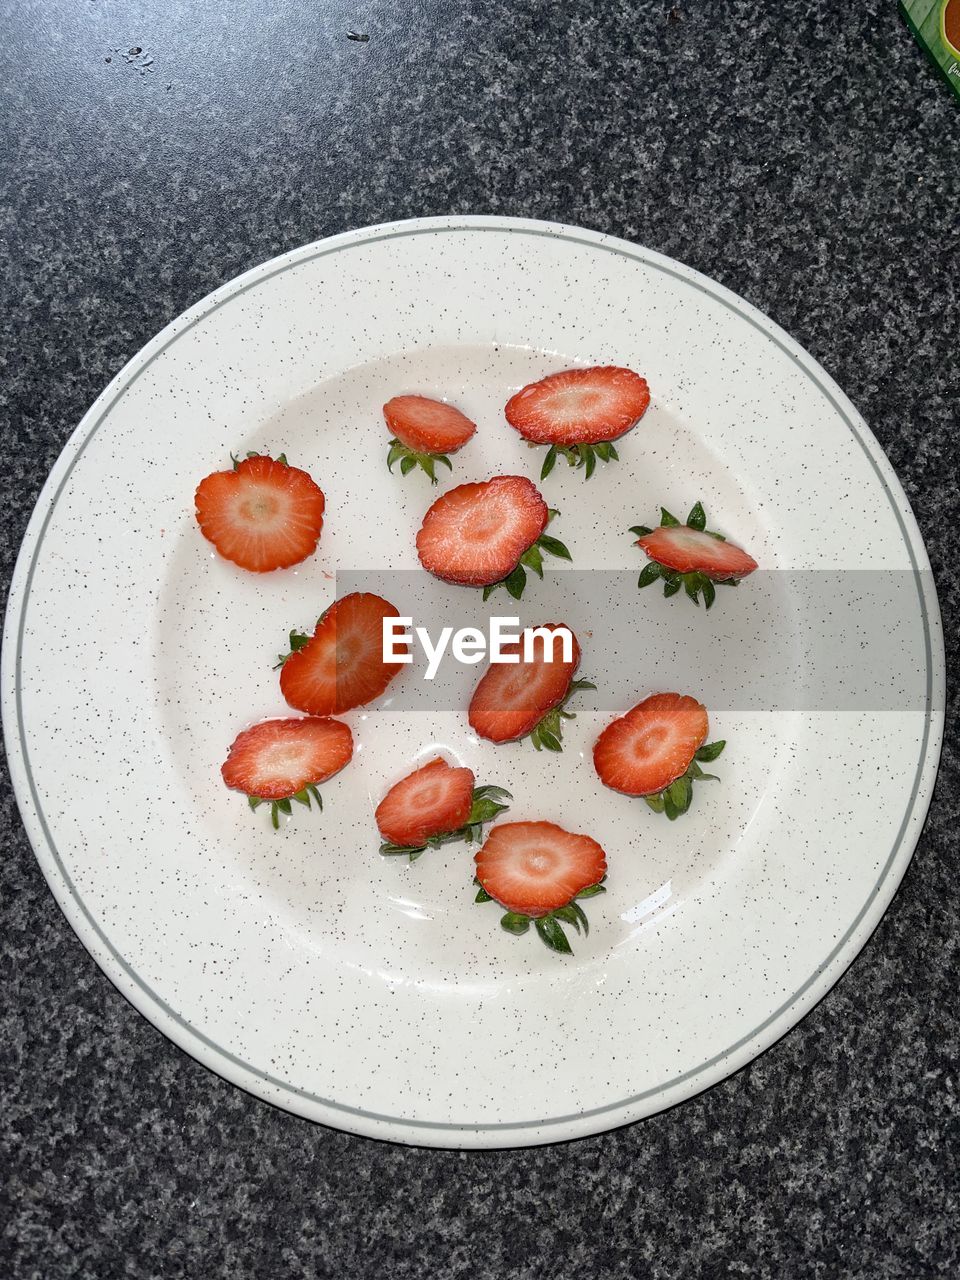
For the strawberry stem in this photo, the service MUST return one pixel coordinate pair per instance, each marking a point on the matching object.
(548, 732)
(297, 640)
(410, 458)
(549, 927)
(532, 558)
(252, 453)
(485, 808)
(303, 796)
(579, 455)
(675, 799)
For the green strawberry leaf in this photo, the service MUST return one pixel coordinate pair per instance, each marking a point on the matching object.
(407, 463)
(549, 462)
(515, 923)
(548, 731)
(679, 794)
(671, 587)
(641, 530)
(591, 459)
(516, 581)
(397, 450)
(650, 573)
(492, 792)
(697, 519)
(551, 932)
(667, 519)
(569, 914)
(297, 640)
(554, 546)
(533, 559)
(709, 593)
(482, 895)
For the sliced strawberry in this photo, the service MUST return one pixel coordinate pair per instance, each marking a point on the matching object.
(262, 515)
(427, 426)
(512, 699)
(275, 759)
(341, 665)
(579, 406)
(475, 534)
(533, 868)
(432, 800)
(642, 752)
(687, 550)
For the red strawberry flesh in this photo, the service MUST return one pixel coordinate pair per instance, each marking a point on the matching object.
(652, 745)
(341, 666)
(535, 867)
(277, 758)
(263, 515)
(475, 534)
(689, 550)
(511, 699)
(431, 801)
(579, 406)
(427, 426)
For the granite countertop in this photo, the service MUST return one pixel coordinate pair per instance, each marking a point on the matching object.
(805, 155)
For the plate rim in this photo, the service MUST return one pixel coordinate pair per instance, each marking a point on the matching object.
(440, 1133)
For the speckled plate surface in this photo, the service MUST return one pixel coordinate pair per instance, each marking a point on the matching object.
(373, 995)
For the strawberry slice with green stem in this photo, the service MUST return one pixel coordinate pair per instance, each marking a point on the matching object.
(654, 751)
(341, 665)
(279, 761)
(528, 699)
(435, 805)
(538, 872)
(487, 534)
(690, 556)
(262, 515)
(579, 413)
(424, 432)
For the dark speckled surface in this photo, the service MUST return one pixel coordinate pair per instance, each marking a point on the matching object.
(804, 155)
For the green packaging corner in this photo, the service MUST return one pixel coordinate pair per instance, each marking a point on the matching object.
(925, 20)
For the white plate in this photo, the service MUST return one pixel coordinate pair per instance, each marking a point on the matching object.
(374, 995)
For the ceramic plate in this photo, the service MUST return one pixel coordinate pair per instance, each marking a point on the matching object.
(373, 994)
